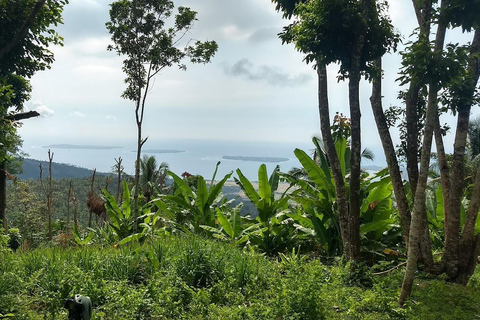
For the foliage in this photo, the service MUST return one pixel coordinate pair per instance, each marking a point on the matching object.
(153, 281)
(14, 239)
(194, 208)
(152, 177)
(325, 31)
(121, 218)
(273, 231)
(231, 225)
(315, 212)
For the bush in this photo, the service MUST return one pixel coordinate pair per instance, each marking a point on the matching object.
(14, 239)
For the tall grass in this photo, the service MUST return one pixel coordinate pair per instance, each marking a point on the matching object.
(193, 278)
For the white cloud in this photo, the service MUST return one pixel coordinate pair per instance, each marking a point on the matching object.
(111, 117)
(77, 114)
(44, 111)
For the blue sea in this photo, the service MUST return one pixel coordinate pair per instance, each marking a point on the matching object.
(200, 156)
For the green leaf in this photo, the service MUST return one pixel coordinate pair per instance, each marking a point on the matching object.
(182, 185)
(380, 226)
(201, 194)
(264, 188)
(227, 227)
(323, 163)
(247, 187)
(341, 149)
(274, 179)
(216, 189)
(314, 172)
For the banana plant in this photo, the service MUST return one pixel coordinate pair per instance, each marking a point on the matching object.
(121, 217)
(315, 214)
(231, 225)
(273, 232)
(195, 207)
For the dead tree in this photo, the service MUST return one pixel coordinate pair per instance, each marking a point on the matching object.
(48, 191)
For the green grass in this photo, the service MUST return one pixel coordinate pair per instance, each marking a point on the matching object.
(192, 278)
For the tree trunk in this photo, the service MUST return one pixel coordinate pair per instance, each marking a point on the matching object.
(417, 225)
(338, 177)
(355, 170)
(468, 248)
(470, 244)
(3, 196)
(389, 150)
(411, 152)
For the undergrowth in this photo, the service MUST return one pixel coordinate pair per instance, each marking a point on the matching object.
(192, 278)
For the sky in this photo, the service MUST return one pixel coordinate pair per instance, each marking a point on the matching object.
(255, 88)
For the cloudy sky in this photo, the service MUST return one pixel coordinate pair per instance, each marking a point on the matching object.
(254, 89)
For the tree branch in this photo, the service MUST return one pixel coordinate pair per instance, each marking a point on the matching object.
(22, 116)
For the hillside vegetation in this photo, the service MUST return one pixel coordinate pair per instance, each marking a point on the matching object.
(193, 278)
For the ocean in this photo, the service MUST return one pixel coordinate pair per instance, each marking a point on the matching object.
(199, 156)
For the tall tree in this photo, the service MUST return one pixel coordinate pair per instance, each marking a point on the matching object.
(139, 32)
(25, 36)
(353, 34)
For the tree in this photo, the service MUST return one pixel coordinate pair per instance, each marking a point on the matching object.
(451, 74)
(353, 34)
(139, 33)
(24, 39)
(474, 138)
(152, 176)
(48, 192)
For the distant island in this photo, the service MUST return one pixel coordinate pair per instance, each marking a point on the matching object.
(77, 146)
(161, 151)
(259, 159)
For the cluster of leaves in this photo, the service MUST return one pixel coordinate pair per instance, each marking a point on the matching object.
(326, 31)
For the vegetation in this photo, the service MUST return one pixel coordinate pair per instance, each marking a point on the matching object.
(139, 33)
(26, 34)
(331, 245)
(192, 278)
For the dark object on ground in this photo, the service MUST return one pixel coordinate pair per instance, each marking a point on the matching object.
(79, 308)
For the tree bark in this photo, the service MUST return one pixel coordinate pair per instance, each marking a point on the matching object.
(411, 152)
(355, 170)
(338, 177)
(389, 150)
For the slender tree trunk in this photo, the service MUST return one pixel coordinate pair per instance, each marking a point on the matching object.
(338, 177)
(454, 196)
(411, 152)
(90, 199)
(3, 196)
(69, 199)
(389, 150)
(418, 225)
(470, 244)
(355, 170)
(118, 166)
(468, 247)
(48, 192)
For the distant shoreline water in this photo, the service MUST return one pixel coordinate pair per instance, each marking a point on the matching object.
(193, 156)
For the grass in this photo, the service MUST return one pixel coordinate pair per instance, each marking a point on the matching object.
(192, 278)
